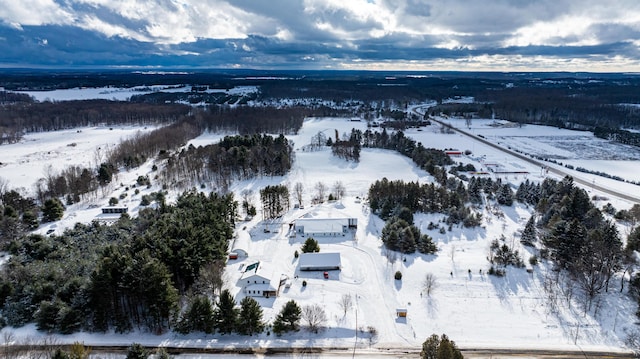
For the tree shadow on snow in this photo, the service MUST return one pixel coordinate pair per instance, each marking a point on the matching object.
(514, 281)
(398, 284)
(432, 307)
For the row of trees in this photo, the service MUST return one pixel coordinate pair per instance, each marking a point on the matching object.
(348, 148)
(226, 318)
(25, 117)
(247, 319)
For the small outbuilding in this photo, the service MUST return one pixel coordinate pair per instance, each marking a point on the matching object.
(240, 245)
(114, 210)
(401, 313)
(319, 261)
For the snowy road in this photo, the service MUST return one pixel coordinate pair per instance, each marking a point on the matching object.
(221, 353)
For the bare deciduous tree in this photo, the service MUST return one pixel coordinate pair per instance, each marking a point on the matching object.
(211, 278)
(315, 317)
(4, 187)
(321, 190)
(346, 303)
(8, 344)
(338, 190)
(429, 284)
(318, 140)
(298, 189)
(247, 195)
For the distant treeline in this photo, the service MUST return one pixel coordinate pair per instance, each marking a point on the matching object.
(618, 135)
(19, 118)
(249, 119)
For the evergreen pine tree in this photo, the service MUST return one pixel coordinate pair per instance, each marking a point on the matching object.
(529, 235)
(475, 191)
(250, 318)
(430, 347)
(440, 348)
(505, 195)
(52, 210)
(425, 245)
(288, 319)
(198, 317)
(137, 351)
(310, 246)
(225, 316)
(448, 349)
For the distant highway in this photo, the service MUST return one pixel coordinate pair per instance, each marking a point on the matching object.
(558, 171)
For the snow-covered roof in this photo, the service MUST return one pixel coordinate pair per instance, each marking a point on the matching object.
(258, 270)
(319, 260)
(322, 225)
(242, 241)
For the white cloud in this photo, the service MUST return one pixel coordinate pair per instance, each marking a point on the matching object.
(33, 12)
(93, 23)
(569, 30)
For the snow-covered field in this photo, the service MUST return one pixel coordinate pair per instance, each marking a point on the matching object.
(474, 309)
(24, 162)
(123, 93)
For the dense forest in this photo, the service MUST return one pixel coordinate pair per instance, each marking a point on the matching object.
(233, 158)
(124, 276)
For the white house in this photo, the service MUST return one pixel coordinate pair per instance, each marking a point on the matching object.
(324, 227)
(258, 280)
(319, 261)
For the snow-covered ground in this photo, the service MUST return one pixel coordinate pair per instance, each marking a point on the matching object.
(23, 163)
(123, 93)
(474, 309)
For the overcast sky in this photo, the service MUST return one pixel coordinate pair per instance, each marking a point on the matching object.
(468, 35)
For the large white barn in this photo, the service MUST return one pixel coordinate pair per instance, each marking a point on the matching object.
(319, 261)
(324, 227)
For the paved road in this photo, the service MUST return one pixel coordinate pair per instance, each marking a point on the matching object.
(333, 353)
(611, 191)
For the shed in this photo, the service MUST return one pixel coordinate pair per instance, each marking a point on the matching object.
(319, 261)
(114, 210)
(401, 312)
(241, 244)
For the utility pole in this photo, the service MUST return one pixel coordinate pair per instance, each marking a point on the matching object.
(356, 341)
